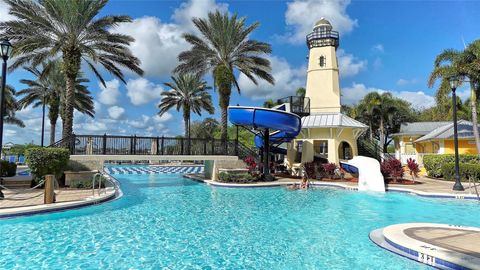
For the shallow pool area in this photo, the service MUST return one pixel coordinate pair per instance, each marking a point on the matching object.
(167, 221)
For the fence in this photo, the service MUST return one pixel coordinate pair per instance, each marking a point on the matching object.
(137, 145)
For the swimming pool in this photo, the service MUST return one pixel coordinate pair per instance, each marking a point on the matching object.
(166, 221)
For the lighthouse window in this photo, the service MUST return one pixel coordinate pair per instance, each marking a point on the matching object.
(322, 61)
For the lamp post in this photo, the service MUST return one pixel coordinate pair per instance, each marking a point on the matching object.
(455, 81)
(5, 52)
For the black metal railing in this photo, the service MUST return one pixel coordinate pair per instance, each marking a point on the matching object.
(140, 145)
(323, 38)
(298, 105)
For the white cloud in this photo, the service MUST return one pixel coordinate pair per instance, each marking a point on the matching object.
(157, 44)
(287, 80)
(406, 82)
(142, 91)
(349, 65)
(378, 48)
(196, 9)
(161, 119)
(301, 15)
(4, 9)
(109, 95)
(116, 112)
(418, 99)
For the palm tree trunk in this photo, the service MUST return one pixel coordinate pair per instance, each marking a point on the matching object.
(473, 104)
(223, 80)
(186, 121)
(382, 134)
(53, 127)
(71, 66)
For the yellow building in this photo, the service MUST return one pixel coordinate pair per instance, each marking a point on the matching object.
(326, 133)
(425, 138)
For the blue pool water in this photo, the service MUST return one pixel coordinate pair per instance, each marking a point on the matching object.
(167, 222)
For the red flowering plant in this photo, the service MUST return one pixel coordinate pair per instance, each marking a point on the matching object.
(310, 169)
(251, 164)
(393, 168)
(413, 167)
(329, 169)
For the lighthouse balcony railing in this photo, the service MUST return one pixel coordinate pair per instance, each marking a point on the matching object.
(323, 38)
(298, 105)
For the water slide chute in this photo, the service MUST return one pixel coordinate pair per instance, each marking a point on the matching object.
(275, 126)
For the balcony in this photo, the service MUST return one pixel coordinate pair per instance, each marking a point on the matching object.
(298, 105)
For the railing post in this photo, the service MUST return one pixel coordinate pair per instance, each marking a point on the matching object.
(236, 146)
(181, 146)
(204, 146)
(104, 150)
(158, 146)
(72, 144)
(49, 194)
(135, 144)
(163, 139)
(213, 146)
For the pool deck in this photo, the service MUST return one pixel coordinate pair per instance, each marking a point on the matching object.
(440, 245)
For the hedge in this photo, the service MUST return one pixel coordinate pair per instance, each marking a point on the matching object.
(466, 170)
(433, 163)
(235, 177)
(7, 169)
(43, 161)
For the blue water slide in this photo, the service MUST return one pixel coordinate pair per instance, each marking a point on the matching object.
(283, 126)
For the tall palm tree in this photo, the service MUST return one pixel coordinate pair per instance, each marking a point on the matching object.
(189, 93)
(463, 63)
(377, 110)
(73, 30)
(11, 106)
(222, 49)
(47, 89)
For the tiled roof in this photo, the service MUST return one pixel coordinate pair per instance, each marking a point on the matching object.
(322, 120)
(465, 131)
(419, 128)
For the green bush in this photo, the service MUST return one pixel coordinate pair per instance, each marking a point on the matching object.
(87, 183)
(7, 169)
(433, 163)
(467, 170)
(235, 177)
(43, 161)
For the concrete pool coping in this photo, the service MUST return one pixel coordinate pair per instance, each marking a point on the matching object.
(110, 193)
(439, 245)
(342, 185)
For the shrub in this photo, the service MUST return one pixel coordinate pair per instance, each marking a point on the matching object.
(467, 170)
(7, 169)
(235, 177)
(329, 169)
(310, 169)
(433, 163)
(43, 161)
(392, 168)
(413, 167)
(88, 183)
(251, 164)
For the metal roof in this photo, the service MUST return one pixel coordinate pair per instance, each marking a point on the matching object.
(328, 120)
(419, 128)
(465, 131)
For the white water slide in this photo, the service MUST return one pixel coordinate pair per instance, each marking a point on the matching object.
(370, 177)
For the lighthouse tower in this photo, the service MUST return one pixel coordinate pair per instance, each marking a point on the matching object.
(322, 75)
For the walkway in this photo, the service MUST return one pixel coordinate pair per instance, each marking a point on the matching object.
(439, 245)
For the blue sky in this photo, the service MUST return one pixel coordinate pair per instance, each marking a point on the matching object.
(384, 46)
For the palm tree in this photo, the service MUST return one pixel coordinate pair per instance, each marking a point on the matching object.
(73, 30)
(11, 106)
(222, 49)
(269, 103)
(189, 93)
(377, 110)
(465, 64)
(47, 89)
(300, 92)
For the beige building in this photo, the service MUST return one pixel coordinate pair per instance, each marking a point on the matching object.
(326, 133)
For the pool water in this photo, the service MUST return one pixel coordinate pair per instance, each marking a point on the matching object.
(168, 222)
